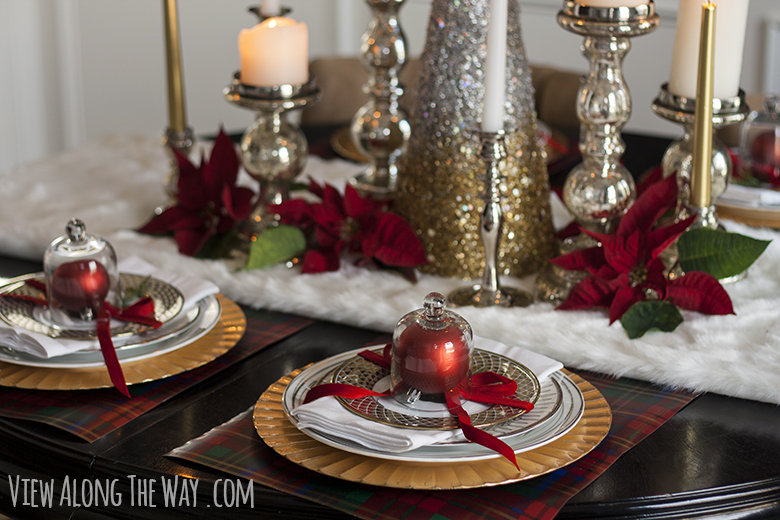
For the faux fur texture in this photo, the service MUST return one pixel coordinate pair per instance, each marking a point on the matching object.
(115, 183)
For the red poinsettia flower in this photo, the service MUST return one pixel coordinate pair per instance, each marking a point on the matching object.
(625, 268)
(351, 223)
(208, 200)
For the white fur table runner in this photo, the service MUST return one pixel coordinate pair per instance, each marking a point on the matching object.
(115, 183)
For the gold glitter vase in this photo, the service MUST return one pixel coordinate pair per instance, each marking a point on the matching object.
(439, 185)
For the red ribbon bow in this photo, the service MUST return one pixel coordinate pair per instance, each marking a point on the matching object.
(141, 312)
(486, 387)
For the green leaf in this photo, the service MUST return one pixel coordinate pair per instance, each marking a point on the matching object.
(718, 253)
(649, 315)
(274, 245)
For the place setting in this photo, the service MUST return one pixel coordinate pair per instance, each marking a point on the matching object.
(90, 322)
(392, 415)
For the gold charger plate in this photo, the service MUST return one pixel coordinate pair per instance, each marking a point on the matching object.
(283, 437)
(225, 334)
(759, 217)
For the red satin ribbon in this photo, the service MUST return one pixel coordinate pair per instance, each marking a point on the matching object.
(141, 312)
(486, 387)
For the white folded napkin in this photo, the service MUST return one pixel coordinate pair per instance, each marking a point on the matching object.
(22, 340)
(751, 196)
(326, 414)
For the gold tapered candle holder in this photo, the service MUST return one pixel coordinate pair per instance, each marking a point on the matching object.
(178, 135)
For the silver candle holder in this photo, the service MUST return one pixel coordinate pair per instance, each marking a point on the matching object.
(273, 150)
(489, 292)
(380, 129)
(599, 190)
(678, 157)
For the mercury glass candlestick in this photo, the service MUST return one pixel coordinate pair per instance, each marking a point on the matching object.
(679, 155)
(380, 129)
(273, 150)
(599, 190)
(489, 292)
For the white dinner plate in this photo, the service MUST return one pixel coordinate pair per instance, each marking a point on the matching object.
(196, 323)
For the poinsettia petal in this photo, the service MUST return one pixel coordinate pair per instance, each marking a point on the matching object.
(171, 218)
(589, 259)
(222, 167)
(357, 206)
(395, 242)
(654, 176)
(325, 238)
(623, 253)
(590, 292)
(654, 202)
(327, 216)
(191, 241)
(661, 238)
(320, 261)
(332, 200)
(294, 211)
(625, 297)
(237, 201)
(190, 189)
(316, 188)
(698, 291)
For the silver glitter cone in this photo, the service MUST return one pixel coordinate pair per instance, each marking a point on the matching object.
(440, 190)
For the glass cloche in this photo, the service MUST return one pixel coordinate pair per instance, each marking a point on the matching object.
(81, 273)
(759, 154)
(432, 350)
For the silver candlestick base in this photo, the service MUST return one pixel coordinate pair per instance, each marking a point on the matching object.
(273, 150)
(490, 293)
(380, 129)
(183, 143)
(678, 157)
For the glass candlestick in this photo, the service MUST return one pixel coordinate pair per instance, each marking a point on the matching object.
(489, 292)
(678, 157)
(599, 190)
(380, 129)
(273, 150)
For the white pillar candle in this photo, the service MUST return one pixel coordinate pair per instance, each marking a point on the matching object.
(274, 52)
(613, 3)
(730, 29)
(270, 8)
(495, 68)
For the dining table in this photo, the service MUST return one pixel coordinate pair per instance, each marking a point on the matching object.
(704, 456)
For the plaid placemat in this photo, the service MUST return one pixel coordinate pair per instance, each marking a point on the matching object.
(91, 414)
(638, 409)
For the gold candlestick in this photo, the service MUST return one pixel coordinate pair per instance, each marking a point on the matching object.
(177, 114)
(702, 134)
(178, 135)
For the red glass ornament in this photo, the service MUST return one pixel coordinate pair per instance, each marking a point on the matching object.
(431, 353)
(432, 361)
(79, 284)
(765, 154)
